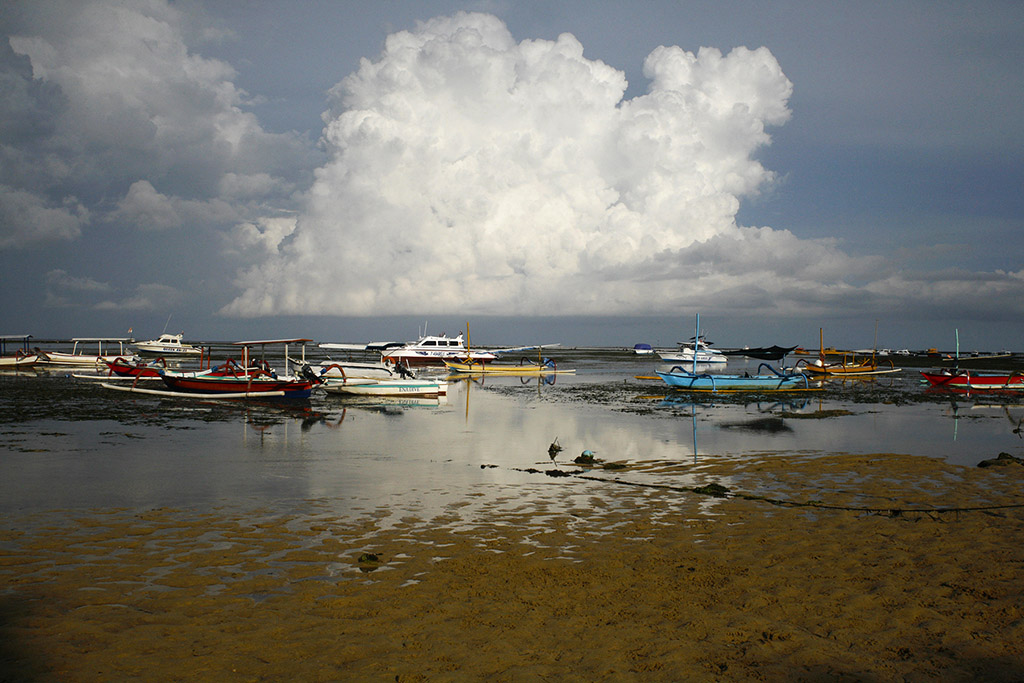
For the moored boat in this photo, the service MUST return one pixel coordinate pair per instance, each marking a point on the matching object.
(846, 367)
(967, 380)
(772, 380)
(697, 350)
(251, 376)
(20, 358)
(135, 367)
(82, 357)
(386, 387)
(167, 345)
(434, 350)
(525, 367)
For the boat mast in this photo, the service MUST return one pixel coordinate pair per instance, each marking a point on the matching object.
(696, 340)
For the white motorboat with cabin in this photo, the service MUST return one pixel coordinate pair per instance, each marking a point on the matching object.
(434, 350)
(167, 345)
(697, 350)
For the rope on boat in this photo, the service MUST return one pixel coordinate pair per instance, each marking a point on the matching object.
(718, 491)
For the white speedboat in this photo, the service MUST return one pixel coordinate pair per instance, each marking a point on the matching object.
(167, 345)
(434, 350)
(698, 351)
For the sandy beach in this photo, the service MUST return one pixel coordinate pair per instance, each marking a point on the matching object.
(877, 568)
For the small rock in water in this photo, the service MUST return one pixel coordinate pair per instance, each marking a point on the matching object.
(1001, 459)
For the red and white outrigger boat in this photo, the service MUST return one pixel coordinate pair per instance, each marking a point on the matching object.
(250, 378)
(960, 380)
(966, 380)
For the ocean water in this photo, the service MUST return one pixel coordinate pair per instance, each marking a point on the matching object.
(67, 443)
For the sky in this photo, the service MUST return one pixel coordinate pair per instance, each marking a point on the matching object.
(586, 173)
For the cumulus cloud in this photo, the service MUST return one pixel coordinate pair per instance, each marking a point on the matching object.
(472, 173)
(110, 107)
(26, 219)
(64, 289)
(147, 297)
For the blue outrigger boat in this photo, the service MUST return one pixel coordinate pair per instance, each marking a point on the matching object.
(690, 380)
(679, 378)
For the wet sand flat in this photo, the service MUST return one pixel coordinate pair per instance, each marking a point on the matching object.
(797, 575)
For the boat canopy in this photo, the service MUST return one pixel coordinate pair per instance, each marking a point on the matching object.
(261, 342)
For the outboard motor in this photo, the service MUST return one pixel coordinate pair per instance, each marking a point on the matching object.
(309, 374)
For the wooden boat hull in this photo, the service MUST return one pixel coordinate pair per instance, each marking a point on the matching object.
(74, 359)
(395, 387)
(708, 382)
(489, 369)
(854, 371)
(210, 384)
(18, 362)
(971, 381)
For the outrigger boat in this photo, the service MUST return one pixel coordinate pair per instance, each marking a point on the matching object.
(847, 366)
(386, 387)
(525, 367)
(957, 379)
(79, 357)
(773, 380)
(249, 379)
(968, 381)
(693, 380)
(22, 357)
(336, 381)
(136, 367)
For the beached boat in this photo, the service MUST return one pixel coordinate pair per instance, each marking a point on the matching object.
(643, 349)
(351, 369)
(959, 379)
(967, 380)
(167, 345)
(21, 357)
(80, 356)
(771, 380)
(846, 367)
(525, 367)
(250, 376)
(135, 367)
(385, 387)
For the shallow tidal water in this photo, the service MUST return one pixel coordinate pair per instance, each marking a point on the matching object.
(67, 443)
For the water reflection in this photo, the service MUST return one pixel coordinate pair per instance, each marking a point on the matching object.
(69, 444)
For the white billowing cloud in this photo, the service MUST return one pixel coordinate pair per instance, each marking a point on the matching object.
(110, 105)
(470, 173)
(264, 236)
(147, 208)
